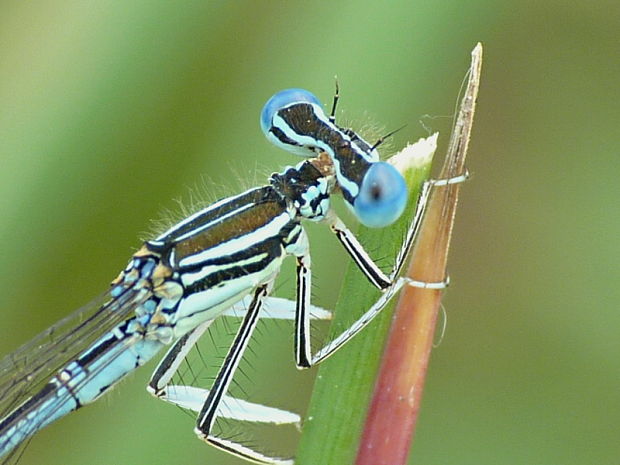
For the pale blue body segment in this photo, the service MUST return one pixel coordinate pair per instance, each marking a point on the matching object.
(80, 388)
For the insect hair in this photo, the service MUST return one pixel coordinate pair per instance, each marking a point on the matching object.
(204, 192)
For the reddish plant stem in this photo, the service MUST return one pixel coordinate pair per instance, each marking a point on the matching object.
(394, 408)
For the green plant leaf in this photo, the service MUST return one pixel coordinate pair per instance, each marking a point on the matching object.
(345, 381)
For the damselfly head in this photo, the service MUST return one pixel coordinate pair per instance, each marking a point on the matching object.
(375, 191)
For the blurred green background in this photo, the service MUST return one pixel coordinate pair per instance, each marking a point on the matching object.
(109, 110)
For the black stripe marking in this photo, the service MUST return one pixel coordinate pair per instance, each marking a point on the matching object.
(30, 405)
(272, 247)
(277, 132)
(370, 273)
(207, 414)
(256, 196)
(300, 317)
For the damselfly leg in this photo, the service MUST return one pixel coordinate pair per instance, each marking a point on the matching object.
(389, 285)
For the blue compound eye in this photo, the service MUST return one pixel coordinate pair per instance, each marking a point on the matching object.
(382, 197)
(282, 99)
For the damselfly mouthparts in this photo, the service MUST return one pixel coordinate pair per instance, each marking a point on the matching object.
(222, 260)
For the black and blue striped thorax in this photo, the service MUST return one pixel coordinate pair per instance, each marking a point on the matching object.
(255, 222)
(222, 252)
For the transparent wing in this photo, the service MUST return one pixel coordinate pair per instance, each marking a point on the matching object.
(24, 372)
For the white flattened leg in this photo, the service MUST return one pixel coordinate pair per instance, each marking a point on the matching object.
(193, 398)
(273, 308)
(171, 362)
(276, 308)
(370, 314)
(213, 402)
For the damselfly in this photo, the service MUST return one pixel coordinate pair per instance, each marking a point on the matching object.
(222, 260)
